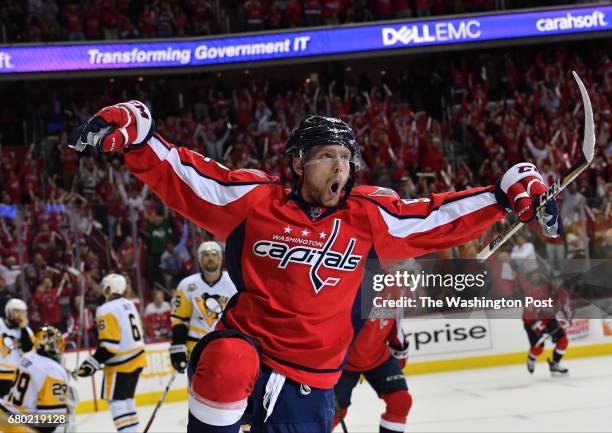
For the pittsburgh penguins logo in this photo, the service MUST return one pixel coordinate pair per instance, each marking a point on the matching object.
(7, 344)
(211, 307)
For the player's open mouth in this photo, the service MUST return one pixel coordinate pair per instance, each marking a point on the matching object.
(334, 187)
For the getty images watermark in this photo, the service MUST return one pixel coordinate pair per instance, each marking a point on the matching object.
(507, 287)
(405, 280)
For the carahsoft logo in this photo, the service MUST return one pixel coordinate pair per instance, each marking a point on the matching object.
(571, 21)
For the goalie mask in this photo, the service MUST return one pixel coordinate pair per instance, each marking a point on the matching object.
(315, 130)
(15, 311)
(113, 284)
(49, 342)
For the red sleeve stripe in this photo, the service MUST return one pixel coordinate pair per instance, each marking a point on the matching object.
(444, 214)
(206, 188)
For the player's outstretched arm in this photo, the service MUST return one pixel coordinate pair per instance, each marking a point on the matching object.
(410, 228)
(199, 188)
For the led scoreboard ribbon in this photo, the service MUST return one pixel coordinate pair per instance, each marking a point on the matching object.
(307, 43)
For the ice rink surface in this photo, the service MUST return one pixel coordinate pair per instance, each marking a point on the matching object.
(504, 399)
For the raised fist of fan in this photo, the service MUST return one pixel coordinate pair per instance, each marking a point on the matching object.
(120, 126)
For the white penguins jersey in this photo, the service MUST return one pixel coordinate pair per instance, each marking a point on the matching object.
(10, 350)
(120, 332)
(199, 305)
(40, 387)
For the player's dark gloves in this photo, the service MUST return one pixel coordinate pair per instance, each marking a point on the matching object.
(88, 367)
(178, 357)
(113, 128)
(400, 352)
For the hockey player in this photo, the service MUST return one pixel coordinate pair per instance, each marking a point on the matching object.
(121, 348)
(541, 321)
(199, 303)
(379, 353)
(297, 258)
(41, 383)
(15, 340)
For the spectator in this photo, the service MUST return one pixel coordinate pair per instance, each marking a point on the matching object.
(48, 304)
(73, 326)
(9, 272)
(157, 317)
(5, 295)
(130, 293)
(524, 254)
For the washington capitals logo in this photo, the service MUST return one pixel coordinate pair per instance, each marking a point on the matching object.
(313, 256)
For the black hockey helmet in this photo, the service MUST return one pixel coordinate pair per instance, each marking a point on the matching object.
(314, 130)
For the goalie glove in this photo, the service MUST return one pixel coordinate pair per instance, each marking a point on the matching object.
(121, 126)
(178, 357)
(519, 191)
(88, 367)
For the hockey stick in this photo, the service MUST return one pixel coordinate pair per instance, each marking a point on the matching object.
(547, 335)
(160, 402)
(339, 412)
(588, 148)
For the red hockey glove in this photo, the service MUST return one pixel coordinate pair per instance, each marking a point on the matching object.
(519, 191)
(128, 124)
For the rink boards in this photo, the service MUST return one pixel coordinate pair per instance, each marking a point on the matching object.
(436, 344)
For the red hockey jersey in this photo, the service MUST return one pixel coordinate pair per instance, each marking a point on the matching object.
(370, 349)
(298, 272)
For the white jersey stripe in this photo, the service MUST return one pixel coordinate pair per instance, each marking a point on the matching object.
(207, 189)
(403, 227)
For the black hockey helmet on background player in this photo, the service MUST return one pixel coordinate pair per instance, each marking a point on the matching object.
(49, 342)
(314, 130)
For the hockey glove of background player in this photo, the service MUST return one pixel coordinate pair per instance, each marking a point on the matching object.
(92, 363)
(122, 126)
(178, 357)
(519, 191)
(400, 352)
(88, 367)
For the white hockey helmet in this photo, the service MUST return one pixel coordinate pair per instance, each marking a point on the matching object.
(12, 305)
(113, 284)
(209, 246)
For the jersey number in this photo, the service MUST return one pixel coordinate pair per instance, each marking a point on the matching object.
(135, 330)
(59, 389)
(20, 386)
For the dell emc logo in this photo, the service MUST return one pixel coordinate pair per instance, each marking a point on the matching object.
(438, 32)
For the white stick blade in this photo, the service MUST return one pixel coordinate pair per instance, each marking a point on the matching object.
(588, 144)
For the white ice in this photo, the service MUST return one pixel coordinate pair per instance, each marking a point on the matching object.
(505, 399)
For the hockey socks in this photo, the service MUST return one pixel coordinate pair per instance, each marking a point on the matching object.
(398, 406)
(124, 415)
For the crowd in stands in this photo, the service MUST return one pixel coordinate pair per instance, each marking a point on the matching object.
(76, 20)
(81, 215)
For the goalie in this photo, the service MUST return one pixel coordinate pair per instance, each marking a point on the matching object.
(41, 385)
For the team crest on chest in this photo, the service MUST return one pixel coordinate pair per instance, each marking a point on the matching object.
(211, 306)
(314, 254)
